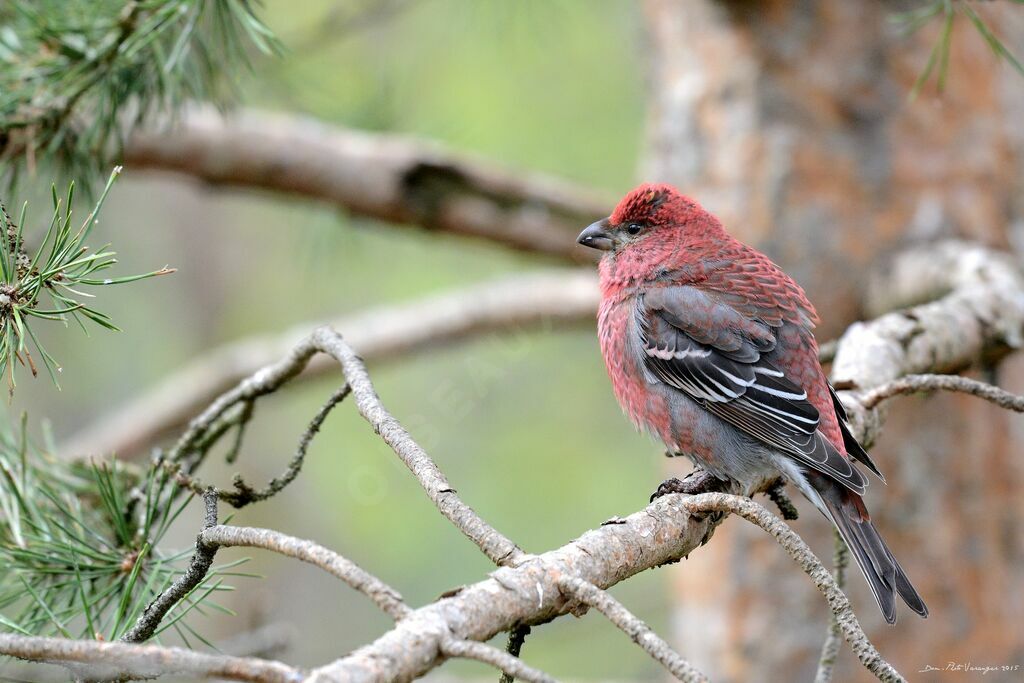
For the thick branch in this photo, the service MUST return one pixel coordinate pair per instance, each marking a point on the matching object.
(387, 177)
(979, 316)
(521, 302)
(108, 661)
(528, 593)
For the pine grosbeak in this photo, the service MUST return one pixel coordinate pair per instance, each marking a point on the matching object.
(709, 347)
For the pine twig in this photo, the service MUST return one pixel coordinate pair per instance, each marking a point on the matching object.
(202, 560)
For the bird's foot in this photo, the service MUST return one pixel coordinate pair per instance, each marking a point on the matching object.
(698, 481)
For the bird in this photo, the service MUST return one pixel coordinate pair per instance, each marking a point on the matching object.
(710, 348)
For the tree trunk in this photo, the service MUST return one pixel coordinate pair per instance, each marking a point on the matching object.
(792, 122)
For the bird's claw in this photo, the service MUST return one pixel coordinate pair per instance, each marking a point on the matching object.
(698, 481)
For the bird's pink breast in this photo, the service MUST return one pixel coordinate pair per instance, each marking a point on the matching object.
(646, 408)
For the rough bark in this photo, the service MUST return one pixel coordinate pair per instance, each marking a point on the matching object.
(791, 120)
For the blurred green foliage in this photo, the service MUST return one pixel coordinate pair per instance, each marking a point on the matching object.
(524, 425)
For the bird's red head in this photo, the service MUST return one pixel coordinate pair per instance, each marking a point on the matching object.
(650, 218)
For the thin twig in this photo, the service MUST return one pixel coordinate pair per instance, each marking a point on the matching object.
(202, 560)
(494, 545)
(491, 542)
(514, 646)
(641, 633)
(912, 384)
(822, 578)
(512, 666)
(110, 661)
(833, 641)
(384, 596)
(243, 494)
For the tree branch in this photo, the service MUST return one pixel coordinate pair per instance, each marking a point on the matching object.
(830, 648)
(637, 630)
(243, 494)
(912, 384)
(109, 661)
(794, 545)
(384, 596)
(978, 317)
(491, 542)
(503, 661)
(387, 177)
(201, 562)
(528, 593)
(522, 302)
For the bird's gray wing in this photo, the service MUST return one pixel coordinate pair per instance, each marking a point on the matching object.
(697, 343)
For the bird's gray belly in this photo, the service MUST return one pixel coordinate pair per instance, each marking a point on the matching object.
(717, 446)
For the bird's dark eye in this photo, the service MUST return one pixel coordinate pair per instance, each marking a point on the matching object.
(634, 228)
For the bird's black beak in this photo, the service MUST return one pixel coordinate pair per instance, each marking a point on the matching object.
(597, 236)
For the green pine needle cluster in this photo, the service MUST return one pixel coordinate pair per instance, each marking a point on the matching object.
(47, 284)
(946, 11)
(76, 74)
(80, 552)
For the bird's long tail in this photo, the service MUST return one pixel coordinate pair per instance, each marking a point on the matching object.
(884, 574)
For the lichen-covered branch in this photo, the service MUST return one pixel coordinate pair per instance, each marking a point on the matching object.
(527, 593)
(978, 316)
(185, 456)
(392, 178)
(491, 542)
(523, 302)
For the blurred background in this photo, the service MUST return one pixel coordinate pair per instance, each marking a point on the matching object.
(791, 120)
